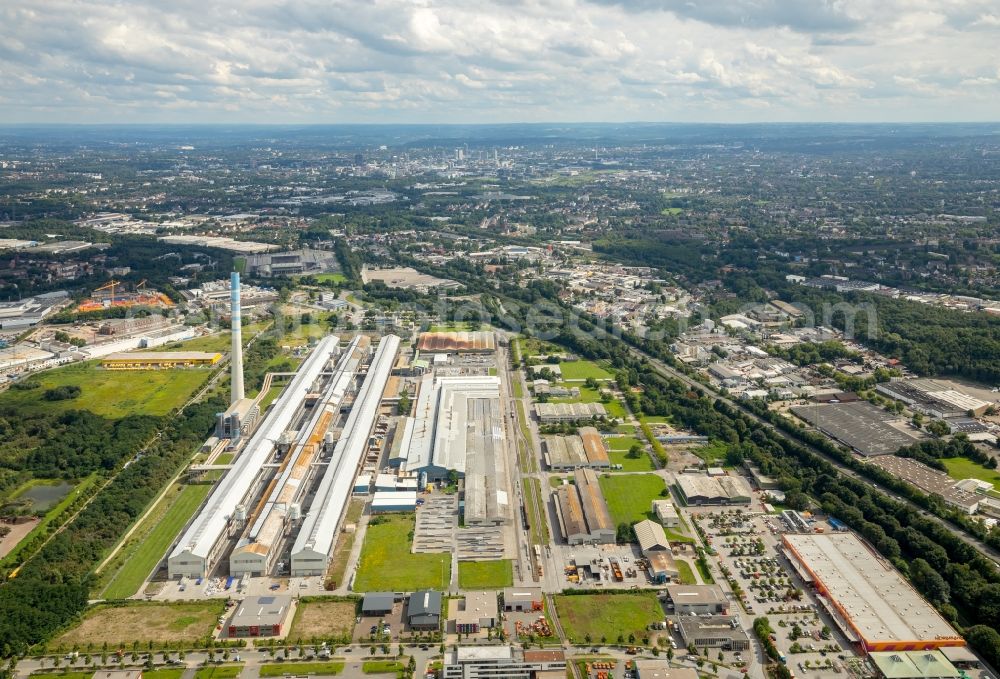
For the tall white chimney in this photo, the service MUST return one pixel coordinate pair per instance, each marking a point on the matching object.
(237, 335)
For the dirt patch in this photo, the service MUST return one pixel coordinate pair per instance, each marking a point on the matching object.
(17, 533)
(145, 622)
(323, 619)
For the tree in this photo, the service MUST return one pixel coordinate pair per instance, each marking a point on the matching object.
(634, 451)
(938, 428)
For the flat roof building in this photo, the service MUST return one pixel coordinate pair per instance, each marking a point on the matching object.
(914, 665)
(717, 631)
(931, 481)
(666, 513)
(492, 662)
(522, 599)
(661, 669)
(475, 611)
(260, 616)
(870, 601)
(699, 599)
(159, 360)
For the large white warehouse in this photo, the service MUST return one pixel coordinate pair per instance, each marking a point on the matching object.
(201, 545)
(258, 551)
(311, 551)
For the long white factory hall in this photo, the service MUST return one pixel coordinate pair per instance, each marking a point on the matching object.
(278, 509)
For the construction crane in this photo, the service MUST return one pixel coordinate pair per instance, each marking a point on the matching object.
(141, 285)
(110, 285)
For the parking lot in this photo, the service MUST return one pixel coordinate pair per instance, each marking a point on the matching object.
(385, 628)
(746, 547)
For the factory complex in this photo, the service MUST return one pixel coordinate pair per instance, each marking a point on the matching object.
(872, 604)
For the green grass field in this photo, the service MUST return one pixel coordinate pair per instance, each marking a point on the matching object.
(629, 464)
(686, 574)
(607, 615)
(387, 563)
(630, 496)
(330, 278)
(581, 370)
(382, 667)
(299, 668)
(150, 543)
(143, 622)
(110, 393)
(714, 453)
(214, 672)
(964, 468)
(622, 442)
(485, 574)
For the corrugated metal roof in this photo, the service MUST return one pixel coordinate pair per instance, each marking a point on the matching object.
(203, 533)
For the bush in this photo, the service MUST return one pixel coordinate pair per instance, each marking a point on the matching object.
(63, 393)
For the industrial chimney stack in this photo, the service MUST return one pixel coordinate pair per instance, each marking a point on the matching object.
(237, 335)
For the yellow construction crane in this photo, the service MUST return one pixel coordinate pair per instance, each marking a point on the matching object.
(141, 285)
(110, 285)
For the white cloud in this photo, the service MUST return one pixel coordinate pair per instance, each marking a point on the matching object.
(508, 60)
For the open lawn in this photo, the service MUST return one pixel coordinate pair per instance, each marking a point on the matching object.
(714, 453)
(345, 543)
(214, 672)
(387, 563)
(300, 668)
(150, 541)
(630, 496)
(382, 667)
(686, 574)
(323, 619)
(964, 468)
(110, 393)
(622, 442)
(607, 615)
(581, 370)
(330, 278)
(120, 626)
(631, 464)
(485, 574)
(171, 673)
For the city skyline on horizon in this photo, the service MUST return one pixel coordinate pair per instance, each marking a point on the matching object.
(528, 61)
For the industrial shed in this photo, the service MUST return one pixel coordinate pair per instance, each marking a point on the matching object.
(568, 412)
(869, 600)
(424, 610)
(460, 342)
(260, 616)
(700, 489)
(158, 360)
(311, 550)
(201, 545)
(651, 537)
(583, 512)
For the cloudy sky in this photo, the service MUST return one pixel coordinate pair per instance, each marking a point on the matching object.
(330, 61)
